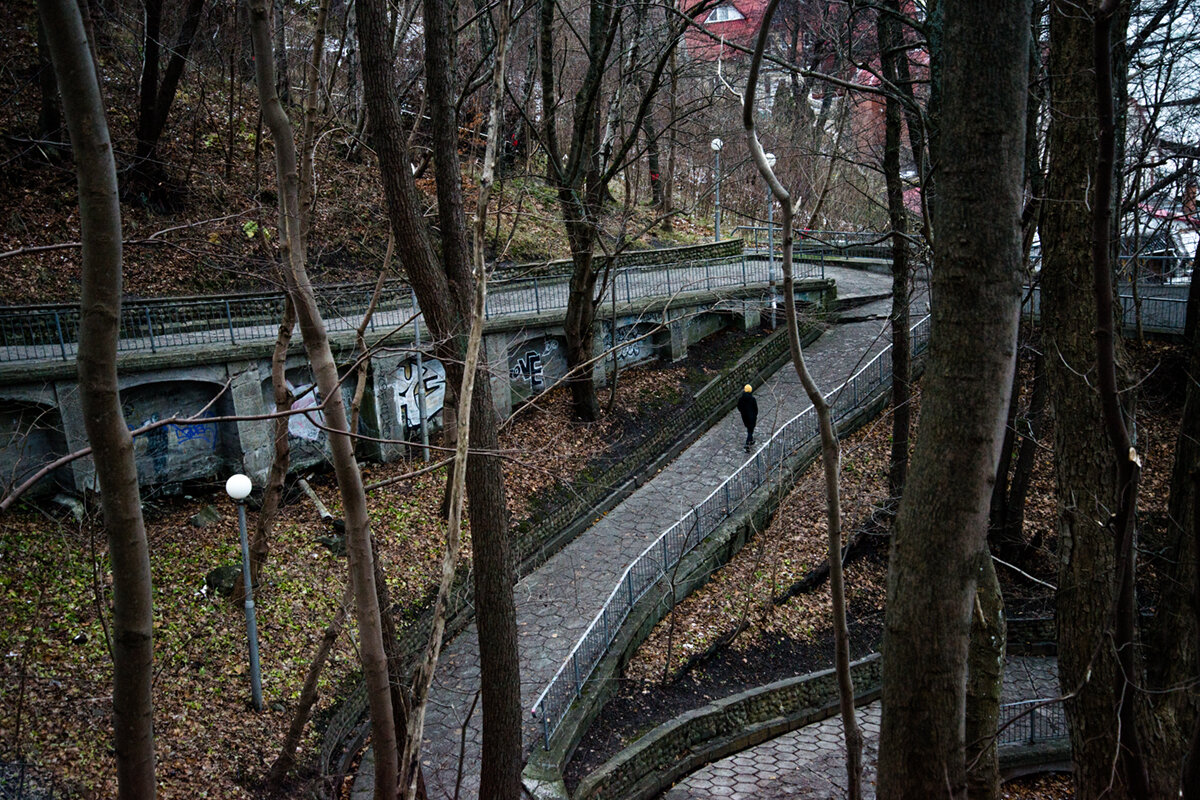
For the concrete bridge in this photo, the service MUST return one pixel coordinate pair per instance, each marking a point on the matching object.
(210, 357)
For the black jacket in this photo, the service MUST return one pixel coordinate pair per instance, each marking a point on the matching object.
(748, 407)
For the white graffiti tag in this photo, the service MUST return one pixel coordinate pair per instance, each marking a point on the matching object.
(407, 397)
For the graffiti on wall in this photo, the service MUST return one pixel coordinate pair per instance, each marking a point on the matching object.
(408, 399)
(534, 365)
(529, 368)
(306, 426)
(189, 447)
(634, 344)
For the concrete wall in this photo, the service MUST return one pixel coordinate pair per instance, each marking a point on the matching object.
(40, 418)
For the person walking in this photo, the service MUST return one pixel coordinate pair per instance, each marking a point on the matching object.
(748, 407)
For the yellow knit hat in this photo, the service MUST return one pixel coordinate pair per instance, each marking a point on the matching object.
(748, 388)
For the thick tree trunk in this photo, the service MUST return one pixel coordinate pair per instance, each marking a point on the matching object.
(578, 327)
(1174, 636)
(341, 447)
(1086, 480)
(494, 572)
(112, 445)
(444, 295)
(1122, 524)
(940, 536)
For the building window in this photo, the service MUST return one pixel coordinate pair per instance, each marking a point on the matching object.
(724, 13)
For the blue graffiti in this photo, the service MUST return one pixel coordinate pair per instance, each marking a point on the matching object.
(206, 432)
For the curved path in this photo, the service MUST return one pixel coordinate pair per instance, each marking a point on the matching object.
(809, 763)
(556, 603)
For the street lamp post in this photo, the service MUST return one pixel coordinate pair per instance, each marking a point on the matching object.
(771, 241)
(716, 146)
(238, 487)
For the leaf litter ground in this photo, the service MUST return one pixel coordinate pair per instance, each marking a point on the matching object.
(55, 675)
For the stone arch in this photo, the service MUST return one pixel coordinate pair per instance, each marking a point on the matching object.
(31, 436)
(179, 451)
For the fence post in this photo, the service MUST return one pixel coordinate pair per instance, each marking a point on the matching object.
(628, 291)
(229, 319)
(150, 329)
(727, 504)
(545, 730)
(666, 555)
(744, 284)
(575, 668)
(62, 343)
(707, 279)
(537, 300)
(629, 586)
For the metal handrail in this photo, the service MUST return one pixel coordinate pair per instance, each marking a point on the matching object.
(1158, 314)
(41, 333)
(1032, 721)
(680, 538)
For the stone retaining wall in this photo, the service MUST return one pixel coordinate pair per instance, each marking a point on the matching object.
(679, 747)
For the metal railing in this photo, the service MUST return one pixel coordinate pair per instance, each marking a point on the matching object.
(1031, 722)
(550, 293)
(51, 332)
(809, 243)
(1158, 314)
(661, 556)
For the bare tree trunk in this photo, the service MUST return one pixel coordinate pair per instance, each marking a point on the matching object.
(308, 697)
(940, 536)
(889, 46)
(1008, 505)
(1174, 636)
(444, 293)
(1131, 764)
(316, 342)
(500, 770)
(668, 181)
(985, 679)
(830, 451)
(132, 637)
(283, 83)
(155, 100)
(49, 125)
(410, 764)
(260, 546)
(1086, 480)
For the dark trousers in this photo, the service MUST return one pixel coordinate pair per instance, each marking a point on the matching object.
(749, 431)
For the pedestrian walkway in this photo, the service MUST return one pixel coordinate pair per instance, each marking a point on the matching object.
(556, 603)
(810, 763)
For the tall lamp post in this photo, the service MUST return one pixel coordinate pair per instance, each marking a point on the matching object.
(771, 241)
(716, 146)
(238, 487)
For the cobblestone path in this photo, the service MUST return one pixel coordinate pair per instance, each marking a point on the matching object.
(556, 603)
(809, 763)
